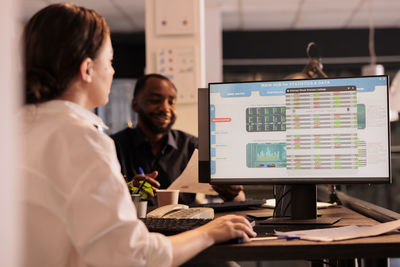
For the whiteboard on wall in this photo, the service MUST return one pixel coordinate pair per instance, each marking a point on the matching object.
(179, 65)
(174, 17)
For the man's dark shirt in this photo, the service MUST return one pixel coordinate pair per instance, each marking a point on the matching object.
(134, 151)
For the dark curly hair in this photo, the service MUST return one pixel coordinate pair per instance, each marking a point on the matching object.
(141, 82)
(56, 41)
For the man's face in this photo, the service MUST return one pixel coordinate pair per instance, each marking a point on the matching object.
(155, 105)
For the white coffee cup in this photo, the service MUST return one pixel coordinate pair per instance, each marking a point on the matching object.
(167, 196)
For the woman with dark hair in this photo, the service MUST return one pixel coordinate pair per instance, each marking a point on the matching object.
(78, 210)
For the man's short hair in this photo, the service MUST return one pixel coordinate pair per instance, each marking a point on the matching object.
(141, 82)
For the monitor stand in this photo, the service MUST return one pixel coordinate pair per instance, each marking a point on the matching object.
(297, 205)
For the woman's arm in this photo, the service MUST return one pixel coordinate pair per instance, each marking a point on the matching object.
(188, 244)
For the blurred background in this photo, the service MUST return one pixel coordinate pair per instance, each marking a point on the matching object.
(258, 40)
(267, 40)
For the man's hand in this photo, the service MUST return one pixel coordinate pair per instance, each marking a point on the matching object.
(151, 178)
(230, 192)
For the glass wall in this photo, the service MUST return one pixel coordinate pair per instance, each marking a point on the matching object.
(118, 114)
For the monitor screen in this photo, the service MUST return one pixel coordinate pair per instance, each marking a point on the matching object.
(333, 130)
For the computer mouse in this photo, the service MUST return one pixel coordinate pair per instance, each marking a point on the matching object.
(237, 240)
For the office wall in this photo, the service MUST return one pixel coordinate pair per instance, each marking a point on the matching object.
(9, 98)
(292, 44)
(129, 51)
(187, 112)
(129, 54)
(271, 50)
(274, 53)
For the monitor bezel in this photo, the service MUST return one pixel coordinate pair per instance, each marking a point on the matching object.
(275, 181)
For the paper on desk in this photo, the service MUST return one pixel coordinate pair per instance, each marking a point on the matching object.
(343, 233)
(270, 203)
(188, 181)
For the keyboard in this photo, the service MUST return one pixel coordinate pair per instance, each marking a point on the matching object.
(172, 226)
(232, 206)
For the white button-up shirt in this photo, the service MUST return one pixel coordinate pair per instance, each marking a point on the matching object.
(77, 208)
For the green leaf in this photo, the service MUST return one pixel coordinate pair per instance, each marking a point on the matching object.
(146, 191)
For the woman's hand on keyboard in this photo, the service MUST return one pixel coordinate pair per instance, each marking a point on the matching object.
(187, 244)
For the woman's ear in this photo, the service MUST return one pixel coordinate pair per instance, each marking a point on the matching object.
(86, 70)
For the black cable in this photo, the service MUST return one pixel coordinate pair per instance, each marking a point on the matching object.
(277, 202)
(287, 206)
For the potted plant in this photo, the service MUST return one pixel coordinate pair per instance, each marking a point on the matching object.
(140, 194)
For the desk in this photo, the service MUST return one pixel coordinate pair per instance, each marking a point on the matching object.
(373, 247)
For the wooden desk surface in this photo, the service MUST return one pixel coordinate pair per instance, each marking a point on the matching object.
(372, 247)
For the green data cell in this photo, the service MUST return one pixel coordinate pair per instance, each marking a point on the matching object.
(266, 119)
(361, 116)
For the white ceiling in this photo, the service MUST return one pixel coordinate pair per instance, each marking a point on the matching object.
(128, 15)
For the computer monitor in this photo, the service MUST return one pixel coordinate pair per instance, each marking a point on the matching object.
(298, 132)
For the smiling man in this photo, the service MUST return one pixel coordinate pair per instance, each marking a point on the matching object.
(153, 145)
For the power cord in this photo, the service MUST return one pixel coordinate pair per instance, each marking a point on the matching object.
(279, 200)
